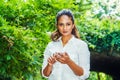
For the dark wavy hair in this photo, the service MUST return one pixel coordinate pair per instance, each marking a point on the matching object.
(56, 34)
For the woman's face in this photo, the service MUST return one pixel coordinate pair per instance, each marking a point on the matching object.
(65, 25)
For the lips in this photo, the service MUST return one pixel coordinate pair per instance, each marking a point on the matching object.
(65, 31)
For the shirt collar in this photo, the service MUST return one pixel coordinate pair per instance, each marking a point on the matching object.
(71, 39)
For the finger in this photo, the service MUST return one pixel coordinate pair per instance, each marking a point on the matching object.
(49, 59)
(56, 54)
(66, 53)
(61, 61)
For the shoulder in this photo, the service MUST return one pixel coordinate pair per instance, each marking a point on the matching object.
(52, 43)
(79, 41)
(82, 46)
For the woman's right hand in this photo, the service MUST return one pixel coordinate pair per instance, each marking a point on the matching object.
(48, 69)
(51, 60)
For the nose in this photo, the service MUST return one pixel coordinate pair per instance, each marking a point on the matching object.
(65, 27)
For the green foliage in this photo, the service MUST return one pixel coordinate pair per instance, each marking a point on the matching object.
(20, 52)
(99, 76)
(22, 40)
(103, 36)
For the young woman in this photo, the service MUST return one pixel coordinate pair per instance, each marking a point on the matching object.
(66, 57)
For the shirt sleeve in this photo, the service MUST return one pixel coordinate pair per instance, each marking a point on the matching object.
(84, 60)
(46, 56)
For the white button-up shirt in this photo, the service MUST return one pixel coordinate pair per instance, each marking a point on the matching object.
(77, 50)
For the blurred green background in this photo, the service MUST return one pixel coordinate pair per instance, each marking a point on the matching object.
(26, 25)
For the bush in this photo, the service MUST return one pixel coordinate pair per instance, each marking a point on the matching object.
(20, 52)
(102, 36)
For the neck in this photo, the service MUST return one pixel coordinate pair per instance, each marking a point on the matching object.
(65, 39)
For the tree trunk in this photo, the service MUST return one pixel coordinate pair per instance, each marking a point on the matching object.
(106, 64)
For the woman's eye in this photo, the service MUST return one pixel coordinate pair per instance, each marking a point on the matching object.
(68, 24)
(60, 24)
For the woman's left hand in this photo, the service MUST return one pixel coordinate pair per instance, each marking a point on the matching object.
(62, 57)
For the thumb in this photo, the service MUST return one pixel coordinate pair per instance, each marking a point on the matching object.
(65, 54)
